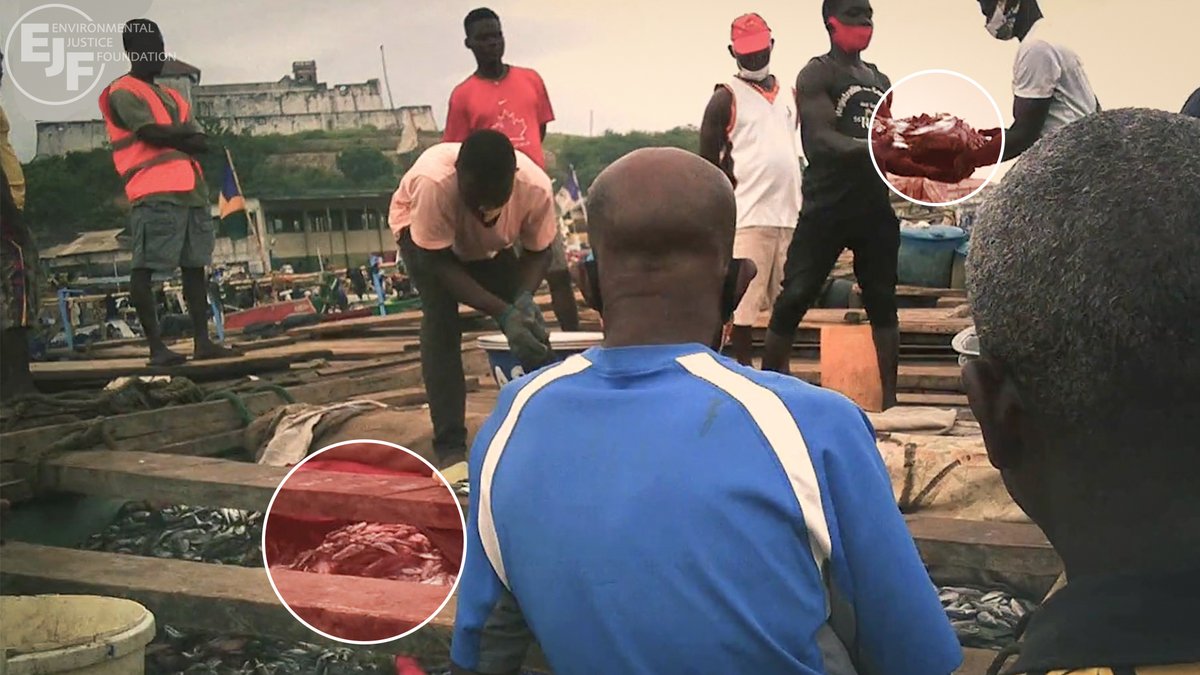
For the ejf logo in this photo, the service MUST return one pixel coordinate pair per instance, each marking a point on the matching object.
(57, 53)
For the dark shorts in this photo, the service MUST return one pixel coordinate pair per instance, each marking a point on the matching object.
(167, 236)
(819, 240)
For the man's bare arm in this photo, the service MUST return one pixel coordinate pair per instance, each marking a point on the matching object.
(531, 270)
(818, 118)
(451, 273)
(712, 128)
(1029, 119)
(177, 137)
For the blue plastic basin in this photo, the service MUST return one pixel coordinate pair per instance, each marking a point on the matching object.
(927, 255)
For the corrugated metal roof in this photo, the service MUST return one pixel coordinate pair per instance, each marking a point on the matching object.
(100, 241)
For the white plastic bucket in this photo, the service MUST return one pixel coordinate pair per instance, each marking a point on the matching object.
(506, 368)
(73, 634)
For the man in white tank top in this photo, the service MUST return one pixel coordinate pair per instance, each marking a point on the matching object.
(749, 132)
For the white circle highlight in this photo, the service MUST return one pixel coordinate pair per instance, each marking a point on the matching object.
(936, 71)
(267, 567)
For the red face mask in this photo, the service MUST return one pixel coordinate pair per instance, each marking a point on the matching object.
(851, 39)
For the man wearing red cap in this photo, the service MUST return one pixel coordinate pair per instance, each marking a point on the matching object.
(846, 204)
(749, 132)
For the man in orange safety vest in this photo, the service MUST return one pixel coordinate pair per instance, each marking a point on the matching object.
(155, 142)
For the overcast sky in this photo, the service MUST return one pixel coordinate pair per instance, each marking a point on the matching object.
(637, 64)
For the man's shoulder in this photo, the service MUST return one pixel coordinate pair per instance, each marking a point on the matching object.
(531, 178)
(465, 85)
(431, 174)
(802, 398)
(527, 73)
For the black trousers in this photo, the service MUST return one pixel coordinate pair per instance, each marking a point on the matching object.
(874, 237)
(441, 339)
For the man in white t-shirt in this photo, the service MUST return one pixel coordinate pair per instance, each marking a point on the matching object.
(749, 132)
(1050, 87)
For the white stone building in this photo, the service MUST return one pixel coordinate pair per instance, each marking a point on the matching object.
(296, 103)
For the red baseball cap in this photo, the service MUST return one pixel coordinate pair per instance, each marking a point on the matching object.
(749, 33)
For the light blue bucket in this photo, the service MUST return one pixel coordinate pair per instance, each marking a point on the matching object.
(506, 368)
(927, 255)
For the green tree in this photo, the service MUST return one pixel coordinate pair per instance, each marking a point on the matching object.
(365, 166)
(590, 155)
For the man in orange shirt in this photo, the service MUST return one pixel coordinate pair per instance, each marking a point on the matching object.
(457, 215)
(513, 101)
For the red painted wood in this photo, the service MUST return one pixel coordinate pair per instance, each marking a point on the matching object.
(271, 313)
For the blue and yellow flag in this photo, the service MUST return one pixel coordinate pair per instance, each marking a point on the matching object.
(235, 223)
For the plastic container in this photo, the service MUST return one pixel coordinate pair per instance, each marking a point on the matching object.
(849, 364)
(73, 634)
(505, 367)
(927, 255)
(958, 271)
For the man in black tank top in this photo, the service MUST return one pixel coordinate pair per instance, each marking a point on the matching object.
(846, 204)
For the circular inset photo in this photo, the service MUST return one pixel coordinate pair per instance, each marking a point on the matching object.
(937, 138)
(363, 542)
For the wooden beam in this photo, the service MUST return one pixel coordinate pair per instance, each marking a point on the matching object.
(221, 599)
(940, 378)
(202, 371)
(150, 430)
(978, 553)
(205, 481)
(976, 661)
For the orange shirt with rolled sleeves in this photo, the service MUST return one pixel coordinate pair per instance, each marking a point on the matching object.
(428, 202)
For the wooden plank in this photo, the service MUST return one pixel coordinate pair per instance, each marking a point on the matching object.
(379, 499)
(976, 661)
(220, 599)
(201, 371)
(927, 378)
(932, 399)
(151, 429)
(922, 292)
(138, 350)
(927, 321)
(205, 481)
(205, 446)
(969, 552)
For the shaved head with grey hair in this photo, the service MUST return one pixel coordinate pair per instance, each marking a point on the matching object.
(1085, 267)
(1084, 279)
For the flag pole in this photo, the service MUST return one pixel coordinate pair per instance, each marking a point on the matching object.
(582, 198)
(262, 255)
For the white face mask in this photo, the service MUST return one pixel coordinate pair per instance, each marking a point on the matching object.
(1004, 19)
(755, 75)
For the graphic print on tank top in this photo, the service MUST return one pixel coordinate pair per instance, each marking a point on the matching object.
(847, 185)
(853, 108)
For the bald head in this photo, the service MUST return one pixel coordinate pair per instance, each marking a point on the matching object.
(656, 204)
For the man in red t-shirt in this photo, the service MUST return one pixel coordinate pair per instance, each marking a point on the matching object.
(513, 101)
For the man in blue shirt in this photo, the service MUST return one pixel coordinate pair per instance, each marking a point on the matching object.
(652, 507)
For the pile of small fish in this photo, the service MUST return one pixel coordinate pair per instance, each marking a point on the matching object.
(177, 652)
(378, 551)
(230, 537)
(225, 536)
(983, 619)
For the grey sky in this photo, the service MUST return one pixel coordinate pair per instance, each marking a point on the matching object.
(639, 64)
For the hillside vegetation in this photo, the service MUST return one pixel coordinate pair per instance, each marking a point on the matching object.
(81, 191)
